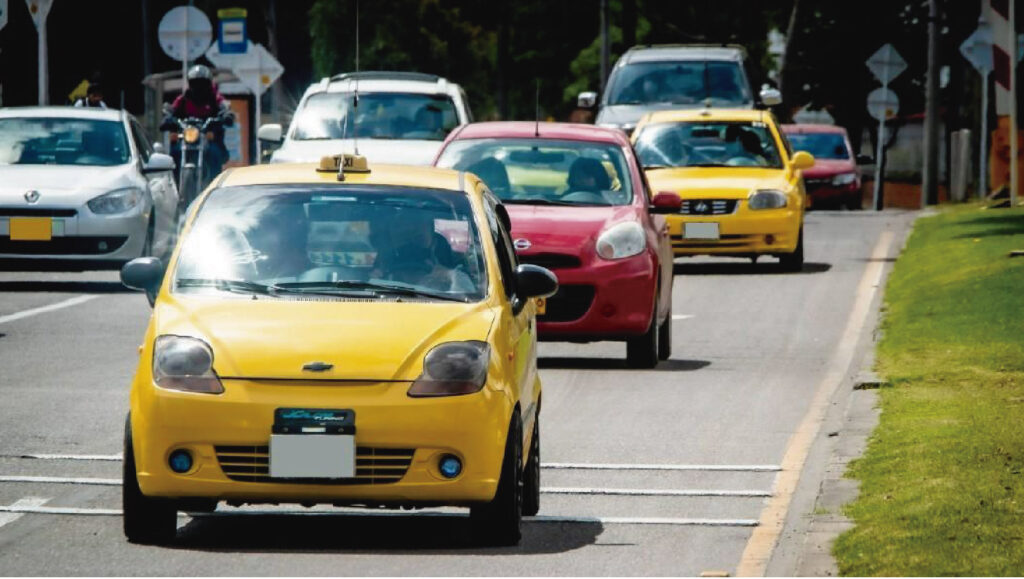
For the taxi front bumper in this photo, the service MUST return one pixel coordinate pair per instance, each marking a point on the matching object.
(399, 441)
(742, 233)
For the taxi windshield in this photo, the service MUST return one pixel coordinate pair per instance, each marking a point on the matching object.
(708, 144)
(344, 241)
(62, 141)
(544, 171)
(382, 115)
(821, 145)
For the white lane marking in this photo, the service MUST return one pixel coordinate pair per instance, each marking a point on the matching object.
(546, 490)
(60, 480)
(698, 467)
(105, 457)
(761, 545)
(40, 510)
(655, 492)
(26, 503)
(681, 316)
(43, 309)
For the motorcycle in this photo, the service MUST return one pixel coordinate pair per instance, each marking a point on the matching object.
(195, 170)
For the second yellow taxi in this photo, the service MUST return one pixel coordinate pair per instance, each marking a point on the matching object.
(341, 334)
(740, 181)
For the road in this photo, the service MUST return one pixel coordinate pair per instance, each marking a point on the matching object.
(722, 430)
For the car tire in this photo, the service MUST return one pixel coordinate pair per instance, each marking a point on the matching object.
(794, 262)
(497, 523)
(531, 475)
(642, 351)
(665, 337)
(147, 521)
(855, 202)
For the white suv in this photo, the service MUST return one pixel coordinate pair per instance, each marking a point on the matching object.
(394, 117)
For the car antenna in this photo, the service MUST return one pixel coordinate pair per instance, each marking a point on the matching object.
(355, 100)
(536, 112)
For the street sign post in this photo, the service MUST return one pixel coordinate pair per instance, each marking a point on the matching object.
(886, 64)
(256, 68)
(184, 34)
(977, 49)
(40, 10)
(883, 104)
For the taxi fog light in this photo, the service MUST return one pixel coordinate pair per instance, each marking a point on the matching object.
(184, 364)
(450, 466)
(180, 461)
(769, 239)
(621, 241)
(452, 369)
(767, 199)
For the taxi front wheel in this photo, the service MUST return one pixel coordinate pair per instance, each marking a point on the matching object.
(147, 521)
(497, 522)
(794, 262)
(531, 482)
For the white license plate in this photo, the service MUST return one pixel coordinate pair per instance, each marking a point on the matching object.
(700, 230)
(312, 456)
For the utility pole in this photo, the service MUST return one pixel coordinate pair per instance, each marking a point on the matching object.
(929, 185)
(604, 43)
(1014, 131)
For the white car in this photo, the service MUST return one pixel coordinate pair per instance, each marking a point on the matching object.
(83, 188)
(398, 118)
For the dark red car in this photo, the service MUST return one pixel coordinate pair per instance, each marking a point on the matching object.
(835, 178)
(580, 206)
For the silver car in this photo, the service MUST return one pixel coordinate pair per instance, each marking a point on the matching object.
(83, 188)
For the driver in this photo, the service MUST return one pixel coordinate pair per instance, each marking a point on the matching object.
(412, 252)
(586, 174)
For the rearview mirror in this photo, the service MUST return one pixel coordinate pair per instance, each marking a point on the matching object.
(533, 281)
(770, 96)
(144, 274)
(802, 160)
(158, 162)
(587, 100)
(666, 203)
(273, 133)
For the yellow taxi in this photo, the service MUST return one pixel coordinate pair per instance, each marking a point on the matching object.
(739, 179)
(338, 333)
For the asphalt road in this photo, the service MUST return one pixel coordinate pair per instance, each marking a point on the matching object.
(714, 426)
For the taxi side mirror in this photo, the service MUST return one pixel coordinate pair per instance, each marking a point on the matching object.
(802, 160)
(666, 203)
(533, 281)
(144, 274)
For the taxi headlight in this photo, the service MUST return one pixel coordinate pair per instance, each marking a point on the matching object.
(453, 368)
(621, 241)
(184, 364)
(191, 135)
(767, 199)
(118, 201)
(844, 179)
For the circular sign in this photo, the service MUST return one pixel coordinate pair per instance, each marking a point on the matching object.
(180, 43)
(883, 104)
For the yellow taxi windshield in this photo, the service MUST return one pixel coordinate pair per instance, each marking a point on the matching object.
(708, 144)
(348, 241)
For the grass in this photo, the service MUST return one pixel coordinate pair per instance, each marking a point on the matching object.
(942, 481)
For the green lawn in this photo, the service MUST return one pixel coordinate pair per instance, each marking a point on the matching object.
(942, 482)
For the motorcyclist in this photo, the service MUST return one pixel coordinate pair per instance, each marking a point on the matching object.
(201, 100)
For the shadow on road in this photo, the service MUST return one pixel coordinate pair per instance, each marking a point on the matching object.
(737, 268)
(566, 363)
(76, 287)
(413, 534)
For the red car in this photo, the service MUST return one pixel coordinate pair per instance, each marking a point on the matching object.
(835, 178)
(580, 206)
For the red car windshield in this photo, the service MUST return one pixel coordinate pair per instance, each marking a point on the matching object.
(821, 145)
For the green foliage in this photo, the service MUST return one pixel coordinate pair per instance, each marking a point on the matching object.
(941, 490)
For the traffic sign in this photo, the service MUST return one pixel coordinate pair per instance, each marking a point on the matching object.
(232, 36)
(886, 64)
(39, 9)
(883, 104)
(256, 68)
(977, 49)
(3, 14)
(185, 33)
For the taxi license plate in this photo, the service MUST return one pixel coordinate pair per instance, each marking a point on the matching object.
(31, 229)
(542, 306)
(700, 231)
(313, 443)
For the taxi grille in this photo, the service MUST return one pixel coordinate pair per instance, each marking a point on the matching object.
(374, 466)
(708, 206)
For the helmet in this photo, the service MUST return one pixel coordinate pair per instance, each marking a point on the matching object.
(199, 71)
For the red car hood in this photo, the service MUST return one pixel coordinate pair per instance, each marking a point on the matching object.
(829, 168)
(560, 229)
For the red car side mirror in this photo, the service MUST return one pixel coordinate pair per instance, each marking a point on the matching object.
(666, 202)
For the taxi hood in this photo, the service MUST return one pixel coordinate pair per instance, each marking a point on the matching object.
(364, 340)
(715, 182)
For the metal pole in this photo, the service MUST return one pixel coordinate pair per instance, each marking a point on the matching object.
(983, 157)
(184, 54)
(604, 43)
(1013, 108)
(44, 81)
(259, 104)
(879, 150)
(929, 185)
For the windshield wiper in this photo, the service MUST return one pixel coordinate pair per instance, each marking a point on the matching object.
(372, 287)
(708, 165)
(232, 285)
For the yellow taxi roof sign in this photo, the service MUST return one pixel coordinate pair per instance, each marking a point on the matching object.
(342, 164)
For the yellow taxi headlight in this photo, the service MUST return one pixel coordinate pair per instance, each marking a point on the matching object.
(185, 364)
(767, 199)
(453, 368)
(191, 134)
